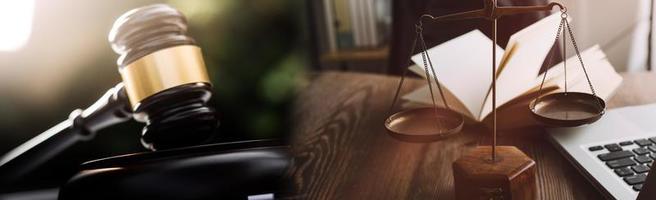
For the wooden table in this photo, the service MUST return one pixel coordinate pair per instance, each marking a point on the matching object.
(342, 151)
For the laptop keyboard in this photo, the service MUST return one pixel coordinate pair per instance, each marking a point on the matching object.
(630, 160)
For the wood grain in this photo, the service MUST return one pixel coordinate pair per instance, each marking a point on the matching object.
(342, 151)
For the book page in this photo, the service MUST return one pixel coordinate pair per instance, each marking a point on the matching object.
(463, 65)
(530, 47)
(422, 97)
(556, 77)
(602, 75)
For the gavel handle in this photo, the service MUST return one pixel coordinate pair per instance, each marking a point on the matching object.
(112, 108)
(30, 155)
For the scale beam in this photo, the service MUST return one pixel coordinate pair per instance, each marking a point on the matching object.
(491, 12)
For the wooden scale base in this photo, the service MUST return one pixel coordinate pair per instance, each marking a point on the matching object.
(510, 176)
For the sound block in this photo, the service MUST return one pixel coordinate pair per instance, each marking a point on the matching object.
(510, 176)
(233, 170)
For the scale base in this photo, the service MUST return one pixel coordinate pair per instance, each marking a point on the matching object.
(511, 176)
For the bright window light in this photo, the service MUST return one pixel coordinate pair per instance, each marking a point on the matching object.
(15, 23)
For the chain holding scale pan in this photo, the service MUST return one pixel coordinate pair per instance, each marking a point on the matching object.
(567, 109)
(423, 124)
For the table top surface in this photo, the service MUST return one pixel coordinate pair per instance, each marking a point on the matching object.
(342, 150)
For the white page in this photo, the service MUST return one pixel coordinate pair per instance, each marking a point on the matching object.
(531, 46)
(555, 75)
(422, 96)
(602, 75)
(463, 65)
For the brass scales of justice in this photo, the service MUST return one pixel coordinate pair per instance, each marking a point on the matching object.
(493, 172)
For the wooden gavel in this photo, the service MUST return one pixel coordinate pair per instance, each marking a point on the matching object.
(165, 85)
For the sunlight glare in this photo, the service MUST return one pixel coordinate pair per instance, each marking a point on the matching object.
(15, 23)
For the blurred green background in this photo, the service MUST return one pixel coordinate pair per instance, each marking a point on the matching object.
(254, 51)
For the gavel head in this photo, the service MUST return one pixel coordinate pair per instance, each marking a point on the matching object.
(164, 77)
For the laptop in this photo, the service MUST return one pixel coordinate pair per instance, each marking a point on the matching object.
(615, 153)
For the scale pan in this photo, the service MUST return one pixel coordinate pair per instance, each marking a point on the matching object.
(424, 124)
(568, 109)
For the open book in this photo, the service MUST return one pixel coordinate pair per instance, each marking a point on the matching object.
(463, 67)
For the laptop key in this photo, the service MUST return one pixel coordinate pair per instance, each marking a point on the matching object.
(643, 159)
(652, 148)
(624, 172)
(624, 162)
(643, 142)
(595, 148)
(640, 169)
(649, 165)
(635, 179)
(637, 187)
(652, 139)
(626, 143)
(614, 155)
(641, 151)
(613, 147)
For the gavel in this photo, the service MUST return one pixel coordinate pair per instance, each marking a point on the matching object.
(165, 85)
